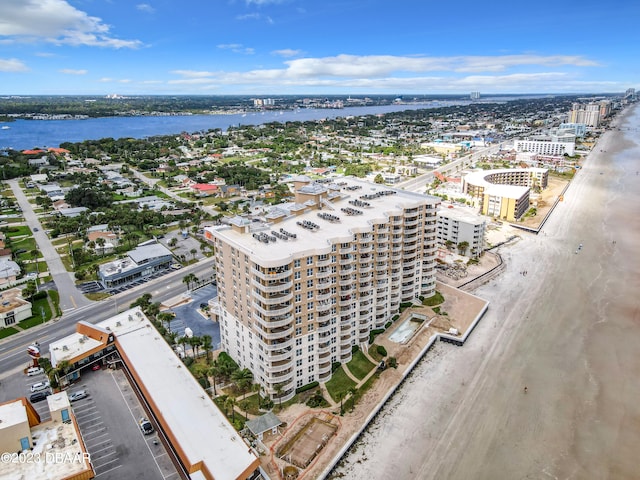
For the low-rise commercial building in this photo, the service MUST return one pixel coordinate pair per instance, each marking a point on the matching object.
(141, 262)
(206, 444)
(34, 449)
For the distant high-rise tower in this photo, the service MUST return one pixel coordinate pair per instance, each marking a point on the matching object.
(475, 95)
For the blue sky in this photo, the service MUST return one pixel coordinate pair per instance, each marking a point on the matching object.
(268, 47)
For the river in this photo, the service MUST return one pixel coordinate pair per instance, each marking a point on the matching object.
(25, 134)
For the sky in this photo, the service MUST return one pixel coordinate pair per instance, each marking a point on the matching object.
(321, 47)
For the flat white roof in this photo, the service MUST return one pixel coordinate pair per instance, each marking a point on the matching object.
(11, 414)
(320, 239)
(507, 191)
(461, 214)
(56, 447)
(202, 431)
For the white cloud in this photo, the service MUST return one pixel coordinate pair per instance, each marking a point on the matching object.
(70, 71)
(57, 22)
(237, 48)
(502, 73)
(287, 52)
(145, 7)
(12, 65)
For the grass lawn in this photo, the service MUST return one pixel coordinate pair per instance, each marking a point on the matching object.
(360, 365)
(55, 299)
(31, 267)
(437, 299)
(340, 383)
(5, 332)
(17, 231)
(97, 296)
(373, 352)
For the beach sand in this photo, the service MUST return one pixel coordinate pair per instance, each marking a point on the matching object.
(569, 330)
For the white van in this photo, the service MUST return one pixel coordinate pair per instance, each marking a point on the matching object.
(35, 371)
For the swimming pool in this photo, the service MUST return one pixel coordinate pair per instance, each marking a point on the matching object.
(406, 329)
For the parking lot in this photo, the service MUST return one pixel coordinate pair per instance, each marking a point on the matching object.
(108, 419)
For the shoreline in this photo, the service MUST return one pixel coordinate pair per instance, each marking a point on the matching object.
(465, 416)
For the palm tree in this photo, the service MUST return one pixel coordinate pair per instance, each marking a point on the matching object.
(193, 252)
(242, 378)
(462, 247)
(189, 279)
(279, 389)
(101, 242)
(166, 317)
(207, 345)
(34, 256)
(230, 402)
(215, 372)
(244, 405)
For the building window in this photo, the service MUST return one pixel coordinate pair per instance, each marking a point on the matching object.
(310, 349)
(309, 283)
(309, 260)
(298, 352)
(310, 294)
(311, 368)
(309, 272)
(296, 263)
(298, 308)
(297, 287)
(298, 298)
(296, 275)
(298, 331)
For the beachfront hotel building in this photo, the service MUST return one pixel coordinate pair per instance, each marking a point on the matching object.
(544, 147)
(504, 193)
(299, 290)
(459, 224)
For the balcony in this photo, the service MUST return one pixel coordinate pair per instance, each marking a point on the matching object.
(324, 368)
(276, 334)
(276, 312)
(281, 378)
(278, 287)
(411, 222)
(321, 297)
(345, 250)
(382, 248)
(280, 355)
(277, 367)
(365, 268)
(382, 229)
(323, 273)
(268, 323)
(324, 348)
(346, 269)
(346, 281)
(324, 263)
(272, 274)
(278, 346)
(382, 267)
(366, 248)
(274, 299)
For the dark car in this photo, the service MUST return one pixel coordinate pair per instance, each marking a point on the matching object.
(39, 396)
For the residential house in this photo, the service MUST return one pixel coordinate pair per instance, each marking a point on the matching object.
(13, 308)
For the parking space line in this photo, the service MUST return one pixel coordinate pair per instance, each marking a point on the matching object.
(114, 468)
(105, 455)
(134, 418)
(92, 447)
(106, 463)
(83, 417)
(97, 436)
(101, 427)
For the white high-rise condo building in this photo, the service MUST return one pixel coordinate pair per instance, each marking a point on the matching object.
(298, 290)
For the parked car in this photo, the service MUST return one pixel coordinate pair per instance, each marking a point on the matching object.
(79, 395)
(39, 396)
(34, 371)
(145, 426)
(38, 387)
(96, 367)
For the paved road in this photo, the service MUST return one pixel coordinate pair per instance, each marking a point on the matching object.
(70, 296)
(13, 357)
(420, 183)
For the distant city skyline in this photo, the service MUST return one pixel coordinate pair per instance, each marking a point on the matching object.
(271, 47)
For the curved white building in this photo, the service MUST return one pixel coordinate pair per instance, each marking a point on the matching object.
(504, 193)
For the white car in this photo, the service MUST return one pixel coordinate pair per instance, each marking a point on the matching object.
(34, 371)
(80, 394)
(145, 426)
(38, 387)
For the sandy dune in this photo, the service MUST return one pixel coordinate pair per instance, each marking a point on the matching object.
(569, 330)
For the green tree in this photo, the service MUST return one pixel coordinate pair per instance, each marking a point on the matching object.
(462, 247)
(378, 179)
(242, 379)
